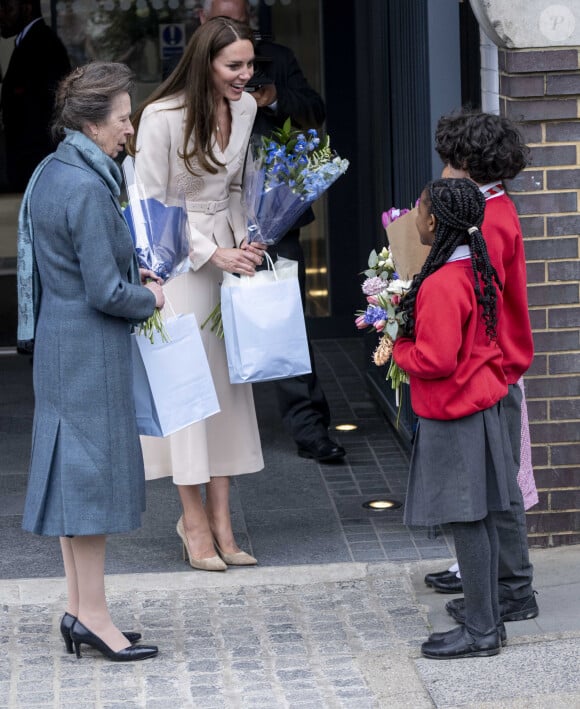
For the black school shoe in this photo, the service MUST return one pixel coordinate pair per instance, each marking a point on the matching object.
(444, 582)
(436, 575)
(509, 609)
(461, 642)
(500, 629)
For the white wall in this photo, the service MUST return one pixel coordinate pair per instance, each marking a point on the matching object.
(489, 75)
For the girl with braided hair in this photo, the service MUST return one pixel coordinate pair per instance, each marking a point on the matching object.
(452, 229)
(461, 454)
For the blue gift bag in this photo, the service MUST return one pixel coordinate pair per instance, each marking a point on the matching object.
(172, 382)
(263, 322)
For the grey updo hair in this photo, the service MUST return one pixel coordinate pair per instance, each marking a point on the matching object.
(86, 94)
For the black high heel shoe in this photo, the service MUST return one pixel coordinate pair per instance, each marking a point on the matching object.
(66, 624)
(80, 635)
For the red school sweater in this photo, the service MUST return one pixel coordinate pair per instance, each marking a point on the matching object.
(454, 370)
(503, 236)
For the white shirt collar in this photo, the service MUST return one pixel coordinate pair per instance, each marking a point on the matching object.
(496, 189)
(461, 253)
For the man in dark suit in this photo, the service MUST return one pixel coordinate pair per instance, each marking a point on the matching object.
(281, 91)
(37, 64)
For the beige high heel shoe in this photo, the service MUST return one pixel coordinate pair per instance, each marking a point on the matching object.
(238, 558)
(212, 563)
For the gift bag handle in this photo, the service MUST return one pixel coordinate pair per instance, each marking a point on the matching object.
(271, 264)
(271, 267)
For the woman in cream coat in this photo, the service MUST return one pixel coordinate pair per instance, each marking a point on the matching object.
(192, 135)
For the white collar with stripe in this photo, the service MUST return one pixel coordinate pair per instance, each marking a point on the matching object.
(461, 253)
(492, 189)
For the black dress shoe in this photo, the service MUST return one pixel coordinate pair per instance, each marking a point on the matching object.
(437, 576)
(67, 622)
(324, 450)
(500, 629)
(429, 578)
(447, 584)
(461, 642)
(509, 609)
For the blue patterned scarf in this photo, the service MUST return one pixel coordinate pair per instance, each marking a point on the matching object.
(29, 288)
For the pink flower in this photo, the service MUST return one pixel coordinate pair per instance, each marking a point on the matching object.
(379, 325)
(392, 214)
(360, 322)
(395, 299)
(373, 285)
(372, 299)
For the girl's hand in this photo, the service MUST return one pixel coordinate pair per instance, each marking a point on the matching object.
(147, 275)
(157, 291)
(242, 261)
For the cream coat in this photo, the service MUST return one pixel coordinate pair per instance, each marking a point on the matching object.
(227, 443)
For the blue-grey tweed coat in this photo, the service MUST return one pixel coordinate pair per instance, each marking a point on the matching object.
(86, 469)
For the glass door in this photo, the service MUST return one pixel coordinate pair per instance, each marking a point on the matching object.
(297, 24)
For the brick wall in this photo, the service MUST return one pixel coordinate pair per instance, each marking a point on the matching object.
(540, 90)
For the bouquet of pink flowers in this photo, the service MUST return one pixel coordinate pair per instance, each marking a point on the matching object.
(383, 290)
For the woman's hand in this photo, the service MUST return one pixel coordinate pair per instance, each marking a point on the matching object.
(147, 275)
(157, 291)
(255, 248)
(242, 261)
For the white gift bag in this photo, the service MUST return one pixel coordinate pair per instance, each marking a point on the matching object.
(263, 321)
(172, 382)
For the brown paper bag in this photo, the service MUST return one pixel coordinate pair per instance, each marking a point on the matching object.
(408, 252)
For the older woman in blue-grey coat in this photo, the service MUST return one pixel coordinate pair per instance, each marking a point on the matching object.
(79, 292)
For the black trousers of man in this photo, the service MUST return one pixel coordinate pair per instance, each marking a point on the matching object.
(301, 401)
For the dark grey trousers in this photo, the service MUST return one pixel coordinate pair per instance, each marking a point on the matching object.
(515, 569)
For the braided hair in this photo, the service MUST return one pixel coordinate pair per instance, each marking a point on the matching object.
(458, 206)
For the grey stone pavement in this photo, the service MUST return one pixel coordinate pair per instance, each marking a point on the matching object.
(333, 616)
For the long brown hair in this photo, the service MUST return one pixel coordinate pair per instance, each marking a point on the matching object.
(192, 77)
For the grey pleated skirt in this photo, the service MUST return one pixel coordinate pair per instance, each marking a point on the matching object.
(459, 469)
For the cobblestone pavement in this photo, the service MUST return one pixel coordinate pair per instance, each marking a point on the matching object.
(340, 637)
(307, 637)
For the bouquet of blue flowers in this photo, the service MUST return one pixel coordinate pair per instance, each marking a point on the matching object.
(160, 233)
(284, 175)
